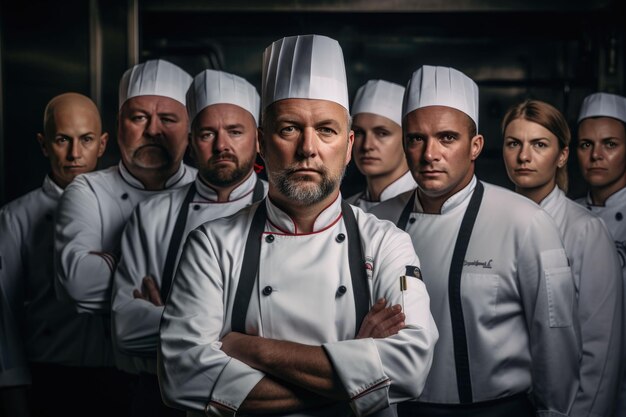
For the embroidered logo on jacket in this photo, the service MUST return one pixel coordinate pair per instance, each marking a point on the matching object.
(484, 264)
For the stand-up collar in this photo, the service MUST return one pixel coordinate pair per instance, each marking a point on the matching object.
(285, 224)
(614, 200)
(399, 186)
(461, 197)
(51, 189)
(552, 199)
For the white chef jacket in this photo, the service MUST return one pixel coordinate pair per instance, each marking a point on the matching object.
(597, 275)
(518, 299)
(363, 200)
(145, 244)
(301, 276)
(613, 213)
(36, 327)
(91, 216)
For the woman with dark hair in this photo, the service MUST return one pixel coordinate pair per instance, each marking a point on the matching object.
(536, 148)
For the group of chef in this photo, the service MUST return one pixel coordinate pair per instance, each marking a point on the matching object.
(153, 288)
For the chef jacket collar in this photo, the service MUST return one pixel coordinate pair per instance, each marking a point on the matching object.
(285, 224)
(134, 182)
(551, 199)
(454, 201)
(399, 186)
(208, 194)
(51, 189)
(616, 199)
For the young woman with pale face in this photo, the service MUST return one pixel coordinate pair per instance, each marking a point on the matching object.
(535, 150)
(378, 150)
(535, 158)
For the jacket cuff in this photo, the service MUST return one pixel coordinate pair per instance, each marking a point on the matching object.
(360, 370)
(231, 388)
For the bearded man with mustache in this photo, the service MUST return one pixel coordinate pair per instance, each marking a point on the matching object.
(94, 208)
(224, 110)
(291, 306)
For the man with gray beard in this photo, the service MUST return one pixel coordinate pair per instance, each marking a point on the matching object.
(268, 311)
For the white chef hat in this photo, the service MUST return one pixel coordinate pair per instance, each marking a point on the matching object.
(154, 78)
(379, 97)
(441, 86)
(306, 66)
(603, 105)
(218, 87)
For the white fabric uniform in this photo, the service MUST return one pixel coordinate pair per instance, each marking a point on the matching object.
(518, 299)
(145, 244)
(597, 275)
(91, 216)
(301, 276)
(614, 215)
(362, 200)
(35, 326)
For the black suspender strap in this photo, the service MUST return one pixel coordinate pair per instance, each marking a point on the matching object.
(259, 191)
(177, 237)
(250, 267)
(356, 260)
(179, 228)
(406, 212)
(461, 356)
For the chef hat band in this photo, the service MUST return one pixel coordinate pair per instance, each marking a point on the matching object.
(306, 66)
(603, 105)
(441, 86)
(379, 97)
(218, 87)
(154, 78)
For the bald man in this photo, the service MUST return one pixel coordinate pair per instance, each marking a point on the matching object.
(44, 343)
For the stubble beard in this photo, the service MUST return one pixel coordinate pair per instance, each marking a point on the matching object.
(303, 190)
(225, 177)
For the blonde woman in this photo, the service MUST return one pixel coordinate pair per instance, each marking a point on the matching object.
(536, 148)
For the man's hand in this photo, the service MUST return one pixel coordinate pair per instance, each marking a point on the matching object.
(149, 291)
(382, 321)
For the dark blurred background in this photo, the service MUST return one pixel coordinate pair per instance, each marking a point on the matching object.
(553, 50)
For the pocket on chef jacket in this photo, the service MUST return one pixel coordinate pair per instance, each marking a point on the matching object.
(481, 293)
(560, 289)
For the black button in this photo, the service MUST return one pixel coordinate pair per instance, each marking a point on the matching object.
(412, 220)
(267, 290)
(619, 216)
(49, 217)
(196, 207)
(125, 196)
(341, 290)
(340, 237)
(269, 239)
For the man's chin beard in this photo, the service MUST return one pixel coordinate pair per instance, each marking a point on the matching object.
(226, 177)
(303, 191)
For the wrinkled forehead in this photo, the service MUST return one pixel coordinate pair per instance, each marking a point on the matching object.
(224, 114)
(306, 111)
(152, 104)
(437, 118)
(601, 128)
